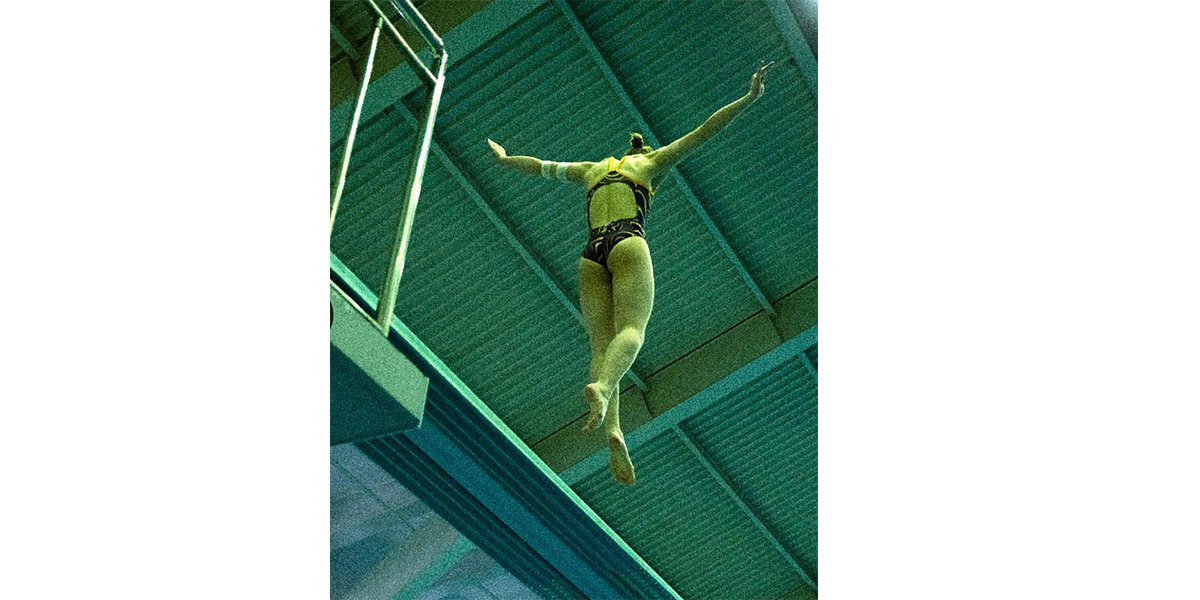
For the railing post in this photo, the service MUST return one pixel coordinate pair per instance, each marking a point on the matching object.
(391, 285)
(362, 94)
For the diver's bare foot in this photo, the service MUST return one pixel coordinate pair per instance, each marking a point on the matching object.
(597, 399)
(618, 458)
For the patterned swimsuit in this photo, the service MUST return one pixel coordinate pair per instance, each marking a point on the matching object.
(602, 239)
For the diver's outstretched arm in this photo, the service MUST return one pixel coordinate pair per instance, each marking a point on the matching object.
(574, 172)
(524, 164)
(664, 158)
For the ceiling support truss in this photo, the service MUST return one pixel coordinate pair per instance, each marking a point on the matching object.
(586, 39)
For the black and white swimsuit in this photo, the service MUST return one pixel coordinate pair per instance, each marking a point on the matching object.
(601, 240)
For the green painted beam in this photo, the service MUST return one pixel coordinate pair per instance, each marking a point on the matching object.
(794, 37)
(797, 310)
(801, 593)
(343, 43)
(373, 389)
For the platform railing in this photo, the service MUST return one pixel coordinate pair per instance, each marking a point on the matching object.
(434, 83)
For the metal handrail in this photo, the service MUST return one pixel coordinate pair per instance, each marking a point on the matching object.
(413, 16)
(419, 67)
(435, 84)
(358, 104)
(391, 285)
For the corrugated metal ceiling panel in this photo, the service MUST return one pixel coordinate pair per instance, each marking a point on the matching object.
(763, 439)
(682, 523)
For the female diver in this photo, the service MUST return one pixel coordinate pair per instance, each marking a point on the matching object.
(616, 277)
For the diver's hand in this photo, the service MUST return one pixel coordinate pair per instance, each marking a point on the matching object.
(758, 81)
(497, 150)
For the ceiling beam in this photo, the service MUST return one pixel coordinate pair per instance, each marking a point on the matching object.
(586, 39)
(343, 43)
(785, 19)
(812, 369)
(801, 592)
(741, 503)
(501, 226)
